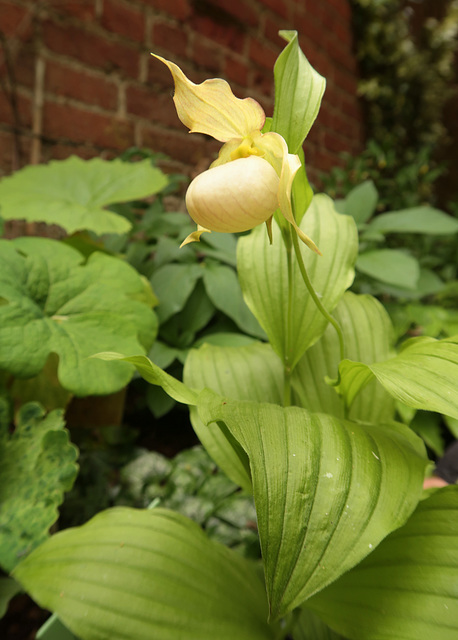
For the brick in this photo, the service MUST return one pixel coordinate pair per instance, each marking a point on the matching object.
(179, 9)
(206, 55)
(156, 107)
(271, 29)
(12, 157)
(24, 110)
(14, 20)
(124, 20)
(245, 14)
(279, 7)
(189, 149)
(346, 81)
(236, 70)
(62, 121)
(52, 151)
(169, 37)
(224, 34)
(334, 142)
(263, 55)
(94, 89)
(24, 67)
(90, 48)
(263, 82)
(82, 9)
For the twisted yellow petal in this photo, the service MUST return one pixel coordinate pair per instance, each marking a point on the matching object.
(212, 108)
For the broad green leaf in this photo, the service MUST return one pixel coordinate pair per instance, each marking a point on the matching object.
(56, 304)
(311, 627)
(8, 589)
(368, 337)
(130, 573)
(422, 376)
(263, 274)
(37, 465)
(327, 491)
(154, 375)
(416, 220)
(391, 266)
(253, 373)
(361, 202)
(72, 193)
(298, 93)
(173, 284)
(53, 629)
(223, 289)
(407, 588)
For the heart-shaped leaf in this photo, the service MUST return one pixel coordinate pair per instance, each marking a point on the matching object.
(72, 193)
(263, 273)
(327, 491)
(52, 303)
(138, 574)
(407, 588)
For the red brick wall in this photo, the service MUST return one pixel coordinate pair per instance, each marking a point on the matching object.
(100, 90)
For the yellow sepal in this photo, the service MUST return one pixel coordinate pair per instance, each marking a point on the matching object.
(195, 235)
(212, 108)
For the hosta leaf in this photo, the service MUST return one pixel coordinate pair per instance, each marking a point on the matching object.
(361, 202)
(37, 465)
(55, 304)
(146, 574)
(72, 193)
(298, 93)
(311, 627)
(253, 372)
(173, 284)
(263, 276)
(391, 266)
(327, 491)
(422, 376)
(415, 220)
(368, 336)
(407, 588)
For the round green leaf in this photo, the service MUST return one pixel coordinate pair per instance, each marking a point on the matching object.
(72, 193)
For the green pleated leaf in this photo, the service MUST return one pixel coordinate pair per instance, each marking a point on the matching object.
(311, 627)
(53, 303)
(368, 336)
(391, 266)
(407, 588)
(254, 373)
(327, 491)
(263, 274)
(298, 93)
(37, 465)
(146, 574)
(422, 376)
(415, 220)
(72, 193)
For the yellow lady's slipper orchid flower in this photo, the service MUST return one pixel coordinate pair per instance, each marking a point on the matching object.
(253, 174)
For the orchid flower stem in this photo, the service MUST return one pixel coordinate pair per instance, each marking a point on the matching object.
(314, 295)
(289, 330)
